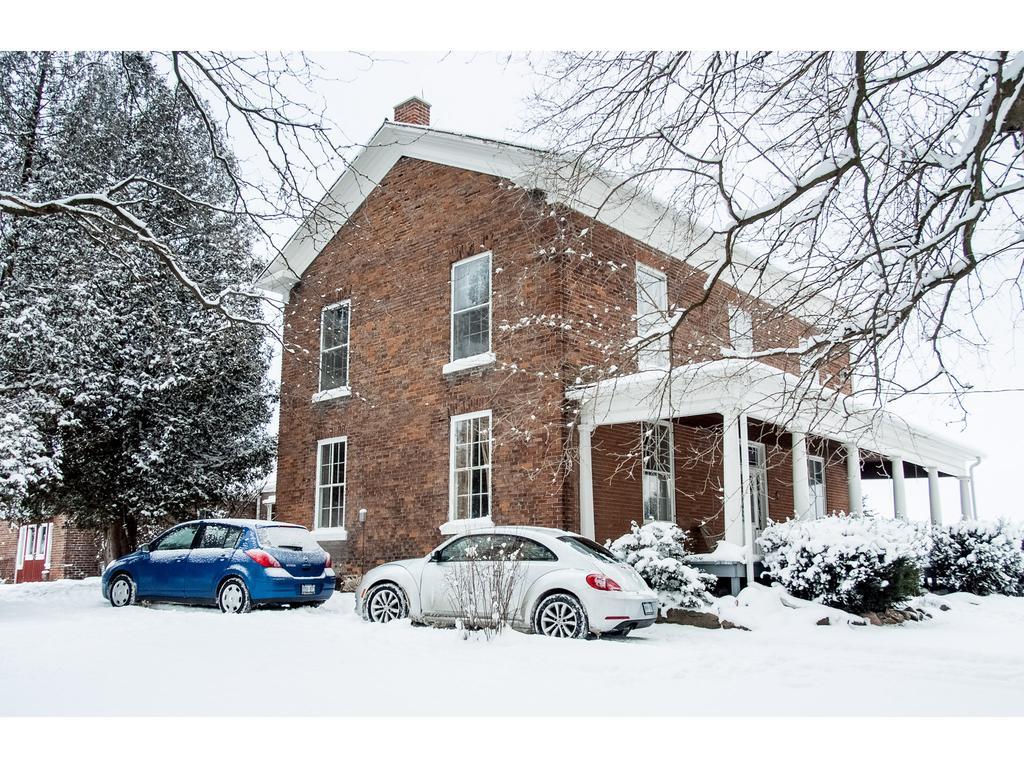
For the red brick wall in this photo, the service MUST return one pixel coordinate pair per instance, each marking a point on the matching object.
(74, 553)
(393, 260)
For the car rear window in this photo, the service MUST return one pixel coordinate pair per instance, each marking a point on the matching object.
(589, 548)
(287, 537)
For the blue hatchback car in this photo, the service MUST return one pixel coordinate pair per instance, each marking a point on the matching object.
(234, 564)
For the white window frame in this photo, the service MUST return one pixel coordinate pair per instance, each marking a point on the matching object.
(346, 389)
(739, 315)
(484, 358)
(761, 468)
(337, 532)
(469, 522)
(652, 355)
(671, 467)
(824, 499)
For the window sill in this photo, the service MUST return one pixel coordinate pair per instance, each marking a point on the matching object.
(331, 394)
(453, 527)
(467, 363)
(329, 534)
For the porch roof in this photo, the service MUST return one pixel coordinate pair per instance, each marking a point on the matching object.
(766, 393)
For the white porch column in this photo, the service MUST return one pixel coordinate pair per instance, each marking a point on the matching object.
(899, 488)
(966, 508)
(801, 486)
(586, 482)
(853, 478)
(934, 502)
(732, 482)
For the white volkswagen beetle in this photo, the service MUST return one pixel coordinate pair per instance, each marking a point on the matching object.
(564, 585)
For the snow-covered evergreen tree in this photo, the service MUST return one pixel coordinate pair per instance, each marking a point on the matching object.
(658, 552)
(128, 402)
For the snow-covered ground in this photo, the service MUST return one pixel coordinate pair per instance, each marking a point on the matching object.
(63, 650)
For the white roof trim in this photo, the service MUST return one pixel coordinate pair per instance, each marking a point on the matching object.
(768, 394)
(627, 210)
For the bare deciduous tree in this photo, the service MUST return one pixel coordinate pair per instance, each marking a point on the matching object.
(887, 186)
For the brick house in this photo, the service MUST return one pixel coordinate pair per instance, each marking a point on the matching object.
(466, 346)
(48, 550)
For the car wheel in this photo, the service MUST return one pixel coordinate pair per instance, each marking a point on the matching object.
(233, 596)
(122, 591)
(385, 603)
(560, 615)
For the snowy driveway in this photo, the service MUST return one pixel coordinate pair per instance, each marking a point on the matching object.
(63, 650)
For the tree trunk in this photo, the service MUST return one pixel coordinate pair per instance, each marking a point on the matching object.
(122, 537)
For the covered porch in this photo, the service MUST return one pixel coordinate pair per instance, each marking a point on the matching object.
(723, 447)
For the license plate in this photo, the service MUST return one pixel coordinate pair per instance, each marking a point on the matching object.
(309, 589)
(648, 609)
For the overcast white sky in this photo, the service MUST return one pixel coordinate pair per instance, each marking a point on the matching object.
(485, 93)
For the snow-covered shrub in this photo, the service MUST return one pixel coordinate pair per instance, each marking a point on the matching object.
(979, 557)
(658, 551)
(856, 563)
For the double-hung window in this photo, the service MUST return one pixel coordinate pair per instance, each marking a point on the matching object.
(816, 485)
(330, 482)
(658, 480)
(651, 318)
(741, 331)
(470, 481)
(334, 328)
(471, 308)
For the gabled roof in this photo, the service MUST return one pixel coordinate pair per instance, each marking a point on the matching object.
(611, 200)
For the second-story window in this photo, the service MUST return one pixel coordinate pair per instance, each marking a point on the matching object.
(651, 318)
(334, 323)
(741, 331)
(471, 307)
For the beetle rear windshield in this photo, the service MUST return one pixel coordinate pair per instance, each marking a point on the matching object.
(287, 537)
(589, 548)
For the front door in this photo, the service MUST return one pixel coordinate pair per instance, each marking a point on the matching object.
(32, 562)
(209, 558)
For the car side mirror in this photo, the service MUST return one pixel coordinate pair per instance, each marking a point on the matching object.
(144, 548)
(435, 556)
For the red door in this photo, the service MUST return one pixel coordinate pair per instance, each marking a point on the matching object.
(33, 559)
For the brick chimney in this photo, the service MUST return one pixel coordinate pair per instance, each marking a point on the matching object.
(414, 111)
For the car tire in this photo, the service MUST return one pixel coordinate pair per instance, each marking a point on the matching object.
(122, 591)
(561, 615)
(384, 603)
(233, 596)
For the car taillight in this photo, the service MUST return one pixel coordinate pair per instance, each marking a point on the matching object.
(327, 564)
(602, 582)
(263, 558)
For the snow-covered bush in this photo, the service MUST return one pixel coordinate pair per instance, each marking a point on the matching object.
(856, 563)
(979, 557)
(658, 551)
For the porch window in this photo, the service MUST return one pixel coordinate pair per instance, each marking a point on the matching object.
(470, 480)
(330, 483)
(334, 329)
(471, 307)
(658, 481)
(651, 314)
(816, 484)
(741, 331)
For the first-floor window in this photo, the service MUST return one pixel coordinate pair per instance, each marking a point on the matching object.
(471, 466)
(658, 471)
(816, 484)
(330, 483)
